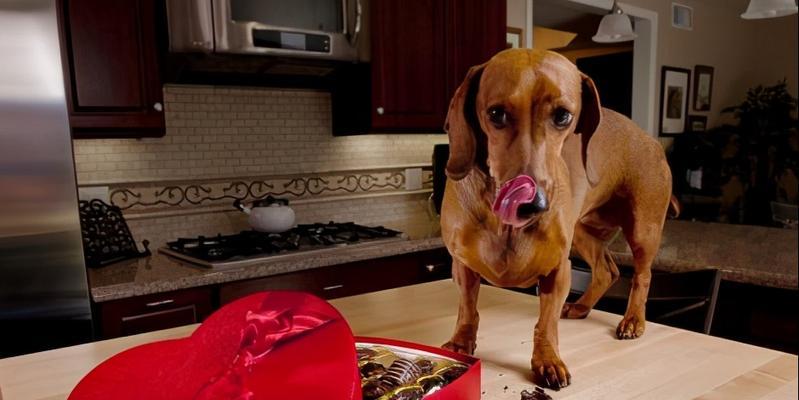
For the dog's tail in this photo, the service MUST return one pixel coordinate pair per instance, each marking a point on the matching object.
(674, 208)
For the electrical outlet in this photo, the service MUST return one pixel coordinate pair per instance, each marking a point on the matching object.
(413, 178)
(93, 192)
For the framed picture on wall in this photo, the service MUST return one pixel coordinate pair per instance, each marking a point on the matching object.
(514, 38)
(674, 85)
(703, 87)
(697, 123)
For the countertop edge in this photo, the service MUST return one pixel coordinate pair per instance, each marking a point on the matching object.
(739, 275)
(300, 262)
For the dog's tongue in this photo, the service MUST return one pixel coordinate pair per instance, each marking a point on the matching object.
(515, 192)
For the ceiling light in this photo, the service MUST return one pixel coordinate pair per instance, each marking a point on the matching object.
(759, 9)
(615, 27)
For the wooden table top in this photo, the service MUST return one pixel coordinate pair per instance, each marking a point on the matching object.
(666, 363)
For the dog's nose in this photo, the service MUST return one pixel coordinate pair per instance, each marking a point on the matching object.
(538, 205)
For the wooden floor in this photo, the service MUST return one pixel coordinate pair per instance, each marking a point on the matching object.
(666, 363)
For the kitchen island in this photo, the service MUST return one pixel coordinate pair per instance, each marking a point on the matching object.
(666, 363)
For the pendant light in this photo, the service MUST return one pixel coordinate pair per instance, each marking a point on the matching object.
(759, 9)
(615, 27)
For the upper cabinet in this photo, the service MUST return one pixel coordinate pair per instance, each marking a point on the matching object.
(110, 56)
(421, 52)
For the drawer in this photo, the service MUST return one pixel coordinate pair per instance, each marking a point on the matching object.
(154, 312)
(351, 278)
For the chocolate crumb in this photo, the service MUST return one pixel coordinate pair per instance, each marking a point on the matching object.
(537, 394)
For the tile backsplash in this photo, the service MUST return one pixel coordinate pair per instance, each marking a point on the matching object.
(224, 143)
(217, 132)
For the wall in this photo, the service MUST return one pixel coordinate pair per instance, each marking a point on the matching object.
(518, 16)
(744, 53)
(225, 143)
(517, 10)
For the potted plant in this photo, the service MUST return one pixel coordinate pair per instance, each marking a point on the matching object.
(765, 125)
(766, 110)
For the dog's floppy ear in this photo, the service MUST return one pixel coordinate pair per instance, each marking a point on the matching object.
(462, 125)
(587, 123)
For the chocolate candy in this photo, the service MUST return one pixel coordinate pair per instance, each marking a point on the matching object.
(425, 365)
(537, 394)
(405, 393)
(365, 353)
(373, 389)
(431, 383)
(396, 374)
(372, 369)
(452, 371)
(401, 372)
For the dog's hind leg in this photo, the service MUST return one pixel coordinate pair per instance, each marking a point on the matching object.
(464, 340)
(589, 242)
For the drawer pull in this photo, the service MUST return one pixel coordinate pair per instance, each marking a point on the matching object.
(430, 267)
(159, 303)
(333, 287)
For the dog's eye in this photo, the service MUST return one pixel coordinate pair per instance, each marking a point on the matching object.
(498, 117)
(562, 117)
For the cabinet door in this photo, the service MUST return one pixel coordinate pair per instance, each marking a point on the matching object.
(408, 65)
(111, 71)
(476, 30)
(154, 312)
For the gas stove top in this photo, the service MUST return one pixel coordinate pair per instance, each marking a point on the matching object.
(250, 247)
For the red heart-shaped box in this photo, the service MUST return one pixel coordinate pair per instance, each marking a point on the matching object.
(270, 345)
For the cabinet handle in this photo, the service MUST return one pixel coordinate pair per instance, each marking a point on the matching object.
(380, 110)
(433, 267)
(159, 303)
(158, 107)
(333, 287)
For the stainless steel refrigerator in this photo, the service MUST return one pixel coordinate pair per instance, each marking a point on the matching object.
(44, 297)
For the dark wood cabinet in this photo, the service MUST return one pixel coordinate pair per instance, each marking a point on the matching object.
(408, 64)
(110, 57)
(352, 278)
(421, 52)
(154, 312)
(476, 31)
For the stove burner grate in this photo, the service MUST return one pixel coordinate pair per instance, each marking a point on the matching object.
(252, 243)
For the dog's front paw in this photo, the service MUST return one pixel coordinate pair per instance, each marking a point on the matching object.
(550, 372)
(574, 311)
(631, 327)
(462, 346)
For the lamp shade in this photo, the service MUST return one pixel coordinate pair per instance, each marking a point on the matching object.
(769, 9)
(614, 27)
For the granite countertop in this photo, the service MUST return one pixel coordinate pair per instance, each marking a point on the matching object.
(747, 254)
(756, 255)
(160, 273)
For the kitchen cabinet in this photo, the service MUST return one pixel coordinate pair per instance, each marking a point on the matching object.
(352, 278)
(151, 312)
(421, 53)
(110, 54)
(154, 312)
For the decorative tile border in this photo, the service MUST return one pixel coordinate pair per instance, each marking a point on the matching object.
(152, 197)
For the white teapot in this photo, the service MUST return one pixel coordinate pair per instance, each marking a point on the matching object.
(269, 215)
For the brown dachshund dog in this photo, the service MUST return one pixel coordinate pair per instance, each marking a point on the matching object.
(537, 166)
